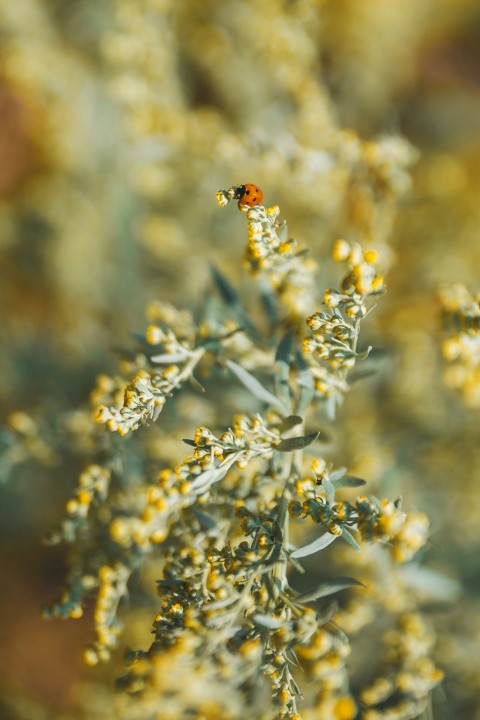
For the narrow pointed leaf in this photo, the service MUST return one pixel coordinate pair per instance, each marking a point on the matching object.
(296, 443)
(214, 342)
(195, 384)
(337, 474)
(380, 352)
(269, 302)
(285, 347)
(296, 689)
(363, 355)
(157, 412)
(282, 232)
(348, 481)
(305, 377)
(299, 568)
(341, 634)
(187, 441)
(348, 537)
(219, 604)
(206, 521)
(267, 621)
(140, 337)
(282, 367)
(331, 405)
(329, 588)
(319, 544)
(329, 488)
(305, 383)
(327, 613)
(205, 479)
(169, 357)
(226, 290)
(255, 387)
(231, 298)
(172, 583)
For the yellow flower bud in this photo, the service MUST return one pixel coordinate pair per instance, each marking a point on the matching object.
(370, 257)
(341, 250)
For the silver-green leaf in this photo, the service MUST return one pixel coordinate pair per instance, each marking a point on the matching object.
(337, 474)
(319, 544)
(348, 537)
(329, 488)
(267, 621)
(207, 478)
(296, 443)
(170, 357)
(255, 387)
(305, 382)
(285, 347)
(227, 292)
(348, 481)
(329, 588)
(327, 613)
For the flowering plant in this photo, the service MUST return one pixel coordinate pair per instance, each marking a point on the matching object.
(227, 522)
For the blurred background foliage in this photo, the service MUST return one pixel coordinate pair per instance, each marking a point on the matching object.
(118, 122)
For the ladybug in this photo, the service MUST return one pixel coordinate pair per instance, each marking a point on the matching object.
(248, 195)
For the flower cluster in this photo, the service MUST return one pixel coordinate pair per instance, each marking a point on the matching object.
(224, 601)
(112, 588)
(168, 359)
(461, 347)
(172, 348)
(236, 590)
(403, 693)
(232, 599)
(405, 533)
(324, 659)
(143, 399)
(379, 520)
(24, 439)
(93, 484)
(331, 350)
(273, 254)
(180, 487)
(108, 583)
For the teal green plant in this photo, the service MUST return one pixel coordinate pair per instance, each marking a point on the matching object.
(226, 525)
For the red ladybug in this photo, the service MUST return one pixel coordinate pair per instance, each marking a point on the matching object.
(249, 195)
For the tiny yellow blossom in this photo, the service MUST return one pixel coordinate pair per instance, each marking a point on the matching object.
(331, 299)
(371, 257)
(341, 250)
(154, 335)
(378, 283)
(90, 657)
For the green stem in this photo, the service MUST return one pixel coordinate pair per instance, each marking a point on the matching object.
(279, 572)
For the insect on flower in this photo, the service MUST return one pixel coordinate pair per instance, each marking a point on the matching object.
(248, 194)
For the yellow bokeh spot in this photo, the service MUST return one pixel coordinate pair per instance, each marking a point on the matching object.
(345, 709)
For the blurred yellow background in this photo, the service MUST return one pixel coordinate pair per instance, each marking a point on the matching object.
(118, 122)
